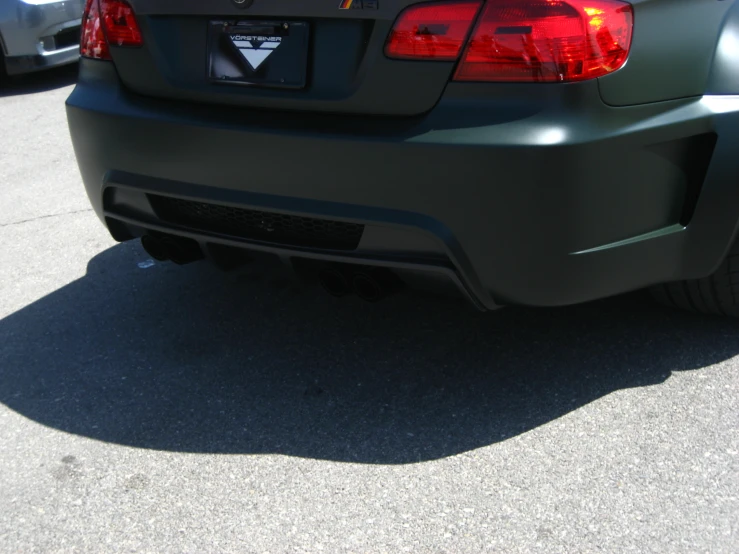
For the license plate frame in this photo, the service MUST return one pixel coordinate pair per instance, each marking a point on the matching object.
(256, 53)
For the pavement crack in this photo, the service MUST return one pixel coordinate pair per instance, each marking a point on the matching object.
(44, 217)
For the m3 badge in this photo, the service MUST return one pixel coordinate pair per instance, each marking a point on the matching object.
(359, 5)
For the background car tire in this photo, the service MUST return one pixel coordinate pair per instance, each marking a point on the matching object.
(717, 294)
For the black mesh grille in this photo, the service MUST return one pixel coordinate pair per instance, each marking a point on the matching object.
(271, 227)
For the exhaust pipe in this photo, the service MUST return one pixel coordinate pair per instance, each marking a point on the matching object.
(154, 248)
(372, 285)
(367, 287)
(334, 282)
(179, 250)
(182, 251)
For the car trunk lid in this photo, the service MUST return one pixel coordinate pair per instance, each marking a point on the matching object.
(345, 69)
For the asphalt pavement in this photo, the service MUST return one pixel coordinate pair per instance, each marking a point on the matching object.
(146, 407)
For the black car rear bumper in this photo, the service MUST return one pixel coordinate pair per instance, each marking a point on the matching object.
(537, 195)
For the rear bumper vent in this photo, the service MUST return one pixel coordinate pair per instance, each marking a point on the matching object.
(275, 228)
(693, 156)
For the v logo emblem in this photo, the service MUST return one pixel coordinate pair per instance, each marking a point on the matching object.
(254, 52)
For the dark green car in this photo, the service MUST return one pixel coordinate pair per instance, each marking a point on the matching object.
(528, 152)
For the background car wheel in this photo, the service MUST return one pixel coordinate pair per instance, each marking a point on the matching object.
(717, 294)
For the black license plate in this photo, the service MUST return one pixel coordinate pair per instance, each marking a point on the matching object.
(258, 53)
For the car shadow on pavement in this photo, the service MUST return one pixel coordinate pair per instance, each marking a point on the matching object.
(39, 81)
(194, 360)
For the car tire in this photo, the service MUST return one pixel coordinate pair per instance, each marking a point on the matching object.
(717, 294)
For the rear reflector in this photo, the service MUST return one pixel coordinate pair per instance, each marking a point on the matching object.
(432, 31)
(108, 22)
(547, 41)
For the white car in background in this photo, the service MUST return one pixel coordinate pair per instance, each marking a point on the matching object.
(36, 34)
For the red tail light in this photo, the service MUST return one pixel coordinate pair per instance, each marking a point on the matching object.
(548, 41)
(119, 23)
(433, 31)
(108, 22)
(92, 42)
(519, 40)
